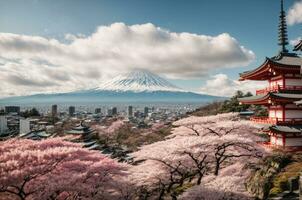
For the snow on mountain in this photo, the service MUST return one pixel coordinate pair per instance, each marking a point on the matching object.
(136, 86)
(138, 81)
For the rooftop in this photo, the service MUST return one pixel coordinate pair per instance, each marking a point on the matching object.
(278, 64)
(286, 129)
(271, 96)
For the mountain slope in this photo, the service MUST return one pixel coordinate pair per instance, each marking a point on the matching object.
(137, 86)
(138, 81)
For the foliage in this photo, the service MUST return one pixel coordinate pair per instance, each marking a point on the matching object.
(280, 182)
(230, 105)
(56, 169)
(261, 180)
(212, 108)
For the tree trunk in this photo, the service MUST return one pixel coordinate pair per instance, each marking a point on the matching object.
(174, 197)
(161, 194)
(199, 179)
(22, 197)
(217, 168)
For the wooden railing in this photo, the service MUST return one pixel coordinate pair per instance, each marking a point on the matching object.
(277, 121)
(278, 88)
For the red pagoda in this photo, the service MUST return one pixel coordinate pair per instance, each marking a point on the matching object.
(283, 73)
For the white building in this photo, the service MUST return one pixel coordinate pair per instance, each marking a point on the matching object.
(3, 124)
(24, 126)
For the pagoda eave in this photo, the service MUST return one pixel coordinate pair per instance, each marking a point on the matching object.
(298, 46)
(270, 68)
(270, 98)
(294, 131)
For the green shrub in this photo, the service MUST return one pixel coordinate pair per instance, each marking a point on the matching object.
(280, 182)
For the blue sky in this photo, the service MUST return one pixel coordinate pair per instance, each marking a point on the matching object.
(252, 23)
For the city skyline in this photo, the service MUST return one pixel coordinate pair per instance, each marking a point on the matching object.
(46, 52)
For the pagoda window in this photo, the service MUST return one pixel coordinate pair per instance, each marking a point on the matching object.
(276, 83)
(272, 113)
(276, 113)
(278, 141)
(279, 114)
(273, 140)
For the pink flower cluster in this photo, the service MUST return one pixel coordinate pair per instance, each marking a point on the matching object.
(56, 169)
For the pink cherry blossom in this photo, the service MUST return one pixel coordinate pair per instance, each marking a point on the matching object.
(56, 169)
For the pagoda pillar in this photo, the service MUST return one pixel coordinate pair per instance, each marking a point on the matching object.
(283, 140)
(283, 112)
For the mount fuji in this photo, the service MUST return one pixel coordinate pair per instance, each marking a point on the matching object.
(138, 81)
(136, 86)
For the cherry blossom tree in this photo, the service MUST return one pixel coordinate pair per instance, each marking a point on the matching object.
(228, 185)
(194, 120)
(170, 164)
(56, 169)
(107, 132)
(200, 147)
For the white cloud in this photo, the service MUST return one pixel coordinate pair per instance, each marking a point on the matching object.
(295, 41)
(294, 15)
(38, 64)
(222, 85)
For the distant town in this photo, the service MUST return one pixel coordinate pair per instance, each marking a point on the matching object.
(18, 122)
(55, 120)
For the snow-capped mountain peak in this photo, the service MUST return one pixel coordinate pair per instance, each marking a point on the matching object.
(138, 81)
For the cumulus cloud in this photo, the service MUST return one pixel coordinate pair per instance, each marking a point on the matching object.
(222, 85)
(295, 41)
(294, 15)
(50, 65)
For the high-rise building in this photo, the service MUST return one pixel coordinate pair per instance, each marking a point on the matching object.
(146, 111)
(153, 109)
(54, 110)
(71, 111)
(24, 126)
(109, 112)
(3, 124)
(283, 75)
(114, 111)
(98, 111)
(130, 111)
(12, 109)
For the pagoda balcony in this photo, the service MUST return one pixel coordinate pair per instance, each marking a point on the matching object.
(278, 88)
(277, 121)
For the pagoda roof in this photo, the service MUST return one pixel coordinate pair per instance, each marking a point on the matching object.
(284, 62)
(94, 147)
(286, 129)
(274, 97)
(79, 127)
(87, 144)
(298, 47)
